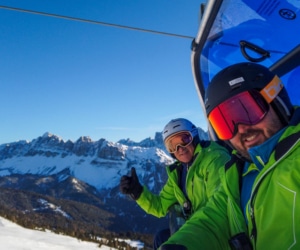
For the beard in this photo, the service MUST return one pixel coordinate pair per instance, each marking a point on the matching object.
(271, 127)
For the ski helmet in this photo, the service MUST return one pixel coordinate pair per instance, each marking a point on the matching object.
(242, 77)
(179, 125)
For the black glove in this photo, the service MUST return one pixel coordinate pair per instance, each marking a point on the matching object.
(172, 247)
(130, 185)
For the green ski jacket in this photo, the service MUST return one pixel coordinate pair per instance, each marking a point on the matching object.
(202, 181)
(273, 209)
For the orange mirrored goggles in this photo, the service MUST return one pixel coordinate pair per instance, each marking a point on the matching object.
(182, 139)
(248, 108)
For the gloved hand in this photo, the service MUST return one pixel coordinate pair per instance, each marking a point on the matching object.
(172, 247)
(130, 185)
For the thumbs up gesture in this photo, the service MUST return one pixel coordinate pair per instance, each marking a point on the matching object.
(130, 185)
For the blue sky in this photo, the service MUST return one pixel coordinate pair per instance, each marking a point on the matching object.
(75, 79)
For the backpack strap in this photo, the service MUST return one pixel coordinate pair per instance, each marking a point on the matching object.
(239, 165)
(283, 146)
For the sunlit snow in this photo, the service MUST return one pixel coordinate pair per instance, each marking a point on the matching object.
(15, 237)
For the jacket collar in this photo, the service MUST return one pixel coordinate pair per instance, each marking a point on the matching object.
(260, 154)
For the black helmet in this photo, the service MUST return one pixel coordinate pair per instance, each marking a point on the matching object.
(241, 77)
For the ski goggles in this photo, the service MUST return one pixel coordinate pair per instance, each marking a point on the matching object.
(248, 108)
(181, 139)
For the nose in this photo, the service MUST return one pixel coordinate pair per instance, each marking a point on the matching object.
(179, 148)
(243, 128)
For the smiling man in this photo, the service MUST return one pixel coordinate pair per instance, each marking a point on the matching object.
(257, 205)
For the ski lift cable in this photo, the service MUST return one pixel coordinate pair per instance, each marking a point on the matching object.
(94, 22)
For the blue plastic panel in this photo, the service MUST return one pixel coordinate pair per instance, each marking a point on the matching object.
(272, 25)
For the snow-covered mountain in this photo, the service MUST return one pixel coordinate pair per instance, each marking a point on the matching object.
(80, 178)
(98, 163)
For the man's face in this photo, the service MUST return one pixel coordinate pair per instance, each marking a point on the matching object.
(181, 146)
(248, 136)
(185, 154)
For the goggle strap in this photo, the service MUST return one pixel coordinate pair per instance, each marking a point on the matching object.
(272, 89)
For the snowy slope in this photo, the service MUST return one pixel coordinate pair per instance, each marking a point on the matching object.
(15, 237)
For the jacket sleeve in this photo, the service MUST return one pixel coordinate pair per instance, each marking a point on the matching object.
(207, 228)
(158, 205)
